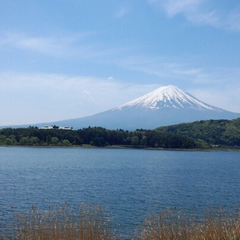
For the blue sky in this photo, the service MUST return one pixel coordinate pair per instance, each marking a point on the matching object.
(62, 59)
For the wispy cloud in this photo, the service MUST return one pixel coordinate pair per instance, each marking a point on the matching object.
(201, 12)
(233, 21)
(89, 95)
(226, 98)
(216, 86)
(71, 46)
(162, 67)
(122, 11)
(32, 98)
(174, 7)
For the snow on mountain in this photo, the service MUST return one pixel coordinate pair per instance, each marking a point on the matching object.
(167, 97)
(164, 106)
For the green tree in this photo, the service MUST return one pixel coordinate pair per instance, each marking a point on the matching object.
(65, 142)
(98, 141)
(135, 140)
(34, 140)
(144, 141)
(2, 138)
(54, 140)
(8, 141)
(128, 140)
(24, 141)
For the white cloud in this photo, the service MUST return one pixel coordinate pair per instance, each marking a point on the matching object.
(179, 70)
(174, 7)
(33, 98)
(226, 98)
(161, 67)
(89, 94)
(201, 12)
(58, 46)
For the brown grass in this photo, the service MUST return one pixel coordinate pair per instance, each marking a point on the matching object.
(217, 224)
(92, 223)
(87, 222)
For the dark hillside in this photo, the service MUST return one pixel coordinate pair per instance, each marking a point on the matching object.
(215, 132)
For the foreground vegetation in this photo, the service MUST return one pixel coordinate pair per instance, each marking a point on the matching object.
(175, 225)
(93, 223)
(97, 136)
(87, 222)
(209, 133)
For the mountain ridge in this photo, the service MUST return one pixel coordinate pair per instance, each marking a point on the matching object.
(164, 106)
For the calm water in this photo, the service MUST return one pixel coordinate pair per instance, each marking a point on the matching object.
(132, 183)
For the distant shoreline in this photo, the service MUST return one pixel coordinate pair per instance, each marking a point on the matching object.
(88, 146)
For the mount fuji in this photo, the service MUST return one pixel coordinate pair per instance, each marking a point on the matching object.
(166, 105)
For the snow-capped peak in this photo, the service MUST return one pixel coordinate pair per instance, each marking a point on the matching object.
(166, 97)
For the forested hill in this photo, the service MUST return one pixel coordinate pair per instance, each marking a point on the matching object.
(96, 136)
(210, 132)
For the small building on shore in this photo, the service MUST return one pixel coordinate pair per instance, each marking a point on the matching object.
(56, 127)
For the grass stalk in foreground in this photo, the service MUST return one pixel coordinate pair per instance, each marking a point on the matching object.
(93, 223)
(175, 225)
(87, 222)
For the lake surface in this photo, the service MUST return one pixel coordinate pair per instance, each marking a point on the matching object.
(131, 182)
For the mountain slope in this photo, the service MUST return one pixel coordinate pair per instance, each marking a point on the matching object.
(164, 106)
(215, 132)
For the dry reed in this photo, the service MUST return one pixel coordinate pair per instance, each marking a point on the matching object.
(217, 224)
(92, 223)
(63, 223)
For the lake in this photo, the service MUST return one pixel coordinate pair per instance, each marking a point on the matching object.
(131, 182)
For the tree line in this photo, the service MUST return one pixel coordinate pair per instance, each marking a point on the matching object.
(95, 136)
(209, 132)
